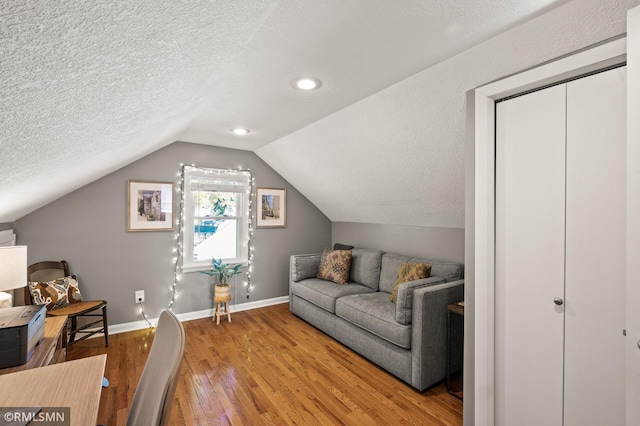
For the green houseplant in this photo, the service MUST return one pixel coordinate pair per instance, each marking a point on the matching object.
(222, 289)
(223, 271)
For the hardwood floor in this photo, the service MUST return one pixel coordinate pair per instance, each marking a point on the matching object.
(267, 367)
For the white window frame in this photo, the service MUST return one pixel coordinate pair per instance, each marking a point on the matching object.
(229, 181)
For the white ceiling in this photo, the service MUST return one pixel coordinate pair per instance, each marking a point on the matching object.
(90, 86)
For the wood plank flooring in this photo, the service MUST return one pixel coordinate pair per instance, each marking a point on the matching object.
(267, 367)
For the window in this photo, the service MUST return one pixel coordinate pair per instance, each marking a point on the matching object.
(215, 217)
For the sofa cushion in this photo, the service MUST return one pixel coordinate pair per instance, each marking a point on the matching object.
(324, 293)
(391, 263)
(450, 271)
(365, 267)
(410, 271)
(335, 265)
(375, 313)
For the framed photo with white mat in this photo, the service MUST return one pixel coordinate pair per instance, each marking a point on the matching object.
(272, 208)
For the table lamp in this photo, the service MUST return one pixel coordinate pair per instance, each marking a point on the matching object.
(13, 272)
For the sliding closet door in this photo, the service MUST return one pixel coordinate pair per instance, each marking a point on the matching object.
(530, 216)
(595, 251)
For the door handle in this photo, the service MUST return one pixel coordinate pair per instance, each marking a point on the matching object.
(558, 301)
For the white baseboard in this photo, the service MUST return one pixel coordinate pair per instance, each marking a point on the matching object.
(188, 316)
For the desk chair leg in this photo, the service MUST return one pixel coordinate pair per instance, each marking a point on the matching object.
(74, 327)
(106, 328)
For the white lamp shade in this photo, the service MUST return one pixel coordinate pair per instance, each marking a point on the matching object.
(13, 267)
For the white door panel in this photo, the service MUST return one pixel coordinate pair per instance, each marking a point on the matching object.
(595, 250)
(530, 202)
(561, 233)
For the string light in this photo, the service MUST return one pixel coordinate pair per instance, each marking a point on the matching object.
(179, 240)
(179, 236)
(145, 315)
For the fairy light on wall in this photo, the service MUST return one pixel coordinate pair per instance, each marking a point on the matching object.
(178, 249)
(247, 283)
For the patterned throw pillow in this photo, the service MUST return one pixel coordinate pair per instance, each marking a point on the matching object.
(410, 271)
(57, 293)
(335, 265)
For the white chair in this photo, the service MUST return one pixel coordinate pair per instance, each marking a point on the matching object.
(153, 399)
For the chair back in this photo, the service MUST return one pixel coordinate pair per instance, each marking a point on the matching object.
(153, 399)
(45, 271)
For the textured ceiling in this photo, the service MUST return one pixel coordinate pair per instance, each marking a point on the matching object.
(89, 86)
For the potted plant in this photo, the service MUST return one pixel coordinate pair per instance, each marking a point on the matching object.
(224, 273)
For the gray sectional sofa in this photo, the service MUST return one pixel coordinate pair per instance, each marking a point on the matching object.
(408, 338)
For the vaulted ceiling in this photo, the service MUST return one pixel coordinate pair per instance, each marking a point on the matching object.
(90, 86)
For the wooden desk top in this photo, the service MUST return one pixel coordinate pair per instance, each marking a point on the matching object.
(74, 384)
(53, 328)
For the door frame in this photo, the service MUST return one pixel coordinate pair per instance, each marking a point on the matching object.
(633, 219)
(592, 59)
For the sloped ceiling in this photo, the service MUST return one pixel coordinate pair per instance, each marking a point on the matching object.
(90, 86)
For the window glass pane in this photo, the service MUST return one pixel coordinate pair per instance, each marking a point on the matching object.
(215, 203)
(215, 238)
(215, 209)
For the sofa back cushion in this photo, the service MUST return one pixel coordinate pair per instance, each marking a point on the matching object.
(392, 262)
(450, 271)
(365, 267)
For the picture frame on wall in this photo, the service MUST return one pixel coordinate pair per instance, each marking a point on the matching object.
(150, 206)
(272, 208)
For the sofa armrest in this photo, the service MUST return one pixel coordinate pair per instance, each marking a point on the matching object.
(429, 331)
(303, 266)
(404, 297)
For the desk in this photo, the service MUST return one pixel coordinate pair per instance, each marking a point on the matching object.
(51, 350)
(74, 384)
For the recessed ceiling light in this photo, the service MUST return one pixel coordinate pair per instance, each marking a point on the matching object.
(240, 131)
(307, 83)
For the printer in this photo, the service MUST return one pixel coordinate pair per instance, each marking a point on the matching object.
(21, 329)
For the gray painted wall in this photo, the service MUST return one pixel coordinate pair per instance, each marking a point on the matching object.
(445, 244)
(88, 228)
(6, 225)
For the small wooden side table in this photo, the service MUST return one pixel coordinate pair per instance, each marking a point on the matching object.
(453, 309)
(221, 308)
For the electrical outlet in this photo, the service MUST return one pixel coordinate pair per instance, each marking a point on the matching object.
(139, 296)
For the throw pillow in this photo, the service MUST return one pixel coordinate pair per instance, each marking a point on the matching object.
(335, 265)
(56, 293)
(338, 246)
(410, 271)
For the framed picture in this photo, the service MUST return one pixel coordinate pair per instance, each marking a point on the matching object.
(272, 208)
(150, 206)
